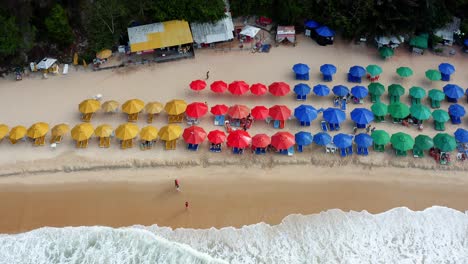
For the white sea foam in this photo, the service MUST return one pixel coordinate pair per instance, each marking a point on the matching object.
(436, 235)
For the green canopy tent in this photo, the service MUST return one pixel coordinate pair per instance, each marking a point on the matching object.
(404, 72)
(373, 70)
(420, 113)
(395, 91)
(401, 142)
(380, 138)
(419, 42)
(440, 117)
(436, 96)
(398, 111)
(416, 93)
(433, 75)
(376, 90)
(386, 52)
(422, 143)
(445, 142)
(379, 110)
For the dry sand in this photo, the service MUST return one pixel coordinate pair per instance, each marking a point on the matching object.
(78, 179)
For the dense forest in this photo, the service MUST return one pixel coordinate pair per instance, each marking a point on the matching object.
(30, 29)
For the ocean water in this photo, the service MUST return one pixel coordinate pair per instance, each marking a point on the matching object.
(435, 235)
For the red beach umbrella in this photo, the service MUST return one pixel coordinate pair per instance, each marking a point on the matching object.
(261, 141)
(197, 85)
(279, 112)
(219, 86)
(194, 135)
(219, 109)
(260, 112)
(279, 88)
(238, 87)
(258, 89)
(216, 136)
(283, 140)
(238, 111)
(239, 139)
(196, 110)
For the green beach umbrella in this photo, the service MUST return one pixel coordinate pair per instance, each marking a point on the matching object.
(376, 88)
(379, 109)
(398, 110)
(440, 115)
(436, 95)
(396, 90)
(445, 142)
(404, 72)
(417, 92)
(423, 142)
(420, 112)
(380, 137)
(402, 141)
(374, 70)
(386, 52)
(433, 75)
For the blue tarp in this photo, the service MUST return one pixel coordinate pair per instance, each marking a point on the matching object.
(304, 138)
(357, 71)
(328, 69)
(453, 91)
(305, 113)
(461, 135)
(363, 140)
(322, 139)
(311, 24)
(301, 68)
(343, 140)
(446, 68)
(362, 116)
(456, 110)
(359, 91)
(340, 90)
(321, 90)
(334, 115)
(324, 31)
(302, 89)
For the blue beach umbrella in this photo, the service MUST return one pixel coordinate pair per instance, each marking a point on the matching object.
(465, 42)
(362, 116)
(305, 113)
(311, 24)
(359, 91)
(456, 110)
(340, 90)
(324, 31)
(334, 115)
(322, 139)
(328, 69)
(363, 140)
(343, 140)
(304, 138)
(357, 71)
(302, 89)
(321, 90)
(301, 68)
(446, 68)
(461, 135)
(453, 91)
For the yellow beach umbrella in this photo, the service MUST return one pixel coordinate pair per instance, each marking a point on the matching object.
(104, 130)
(110, 106)
(89, 106)
(133, 106)
(126, 131)
(60, 130)
(17, 133)
(82, 131)
(153, 108)
(148, 133)
(3, 130)
(175, 107)
(38, 130)
(170, 132)
(104, 54)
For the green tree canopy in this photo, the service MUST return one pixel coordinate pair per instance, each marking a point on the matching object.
(58, 27)
(10, 38)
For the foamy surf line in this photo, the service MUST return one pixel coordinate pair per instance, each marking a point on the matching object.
(435, 235)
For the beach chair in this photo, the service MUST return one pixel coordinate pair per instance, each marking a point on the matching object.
(455, 120)
(300, 148)
(149, 120)
(359, 151)
(343, 152)
(133, 117)
(349, 150)
(343, 105)
(323, 125)
(193, 147)
(65, 69)
(290, 151)
(327, 78)
(276, 124)
(259, 151)
(219, 120)
(13, 141)
(101, 142)
(365, 151)
(336, 102)
(86, 117)
(171, 145)
(303, 123)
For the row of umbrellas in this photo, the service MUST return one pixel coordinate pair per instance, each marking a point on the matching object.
(241, 87)
(450, 90)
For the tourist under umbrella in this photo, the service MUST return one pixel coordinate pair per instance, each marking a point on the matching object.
(379, 110)
(401, 143)
(219, 111)
(194, 136)
(322, 139)
(301, 90)
(260, 143)
(260, 112)
(216, 138)
(333, 118)
(456, 112)
(170, 134)
(453, 92)
(195, 111)
(197, 85)
(440, 117)
(404, 72)
(38, 132)
(363, 142)
(395, 91)
(126, 133)
(175, 110)
(446, 70)
(238, 140)
(279, 114)
(433, 75)
(461, 135)
(420, 113)
(359, 93)
(283, 142)
(386, 52)
(328, 70)
(344, 142)
(104, 133)
(356, 73)
(362, 117)
(416, 93)
(303, 139)
(81, 133)
(258, 89)
(279, 88)
(321, 90)
(152, 109)
(305, 114)
(301, 71)
(17, 133)
(445, 142)
(218, 87)
(422, 143)
(132, 108)
(238, 87)
(436, 96)
(148, 135)
(398, 111)
(376, 90)
(380, 138)
(58, 131)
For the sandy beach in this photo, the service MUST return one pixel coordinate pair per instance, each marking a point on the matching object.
(40, 186)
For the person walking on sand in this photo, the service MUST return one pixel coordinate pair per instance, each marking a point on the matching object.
(186, 205)
(177, 186)
(207, 75)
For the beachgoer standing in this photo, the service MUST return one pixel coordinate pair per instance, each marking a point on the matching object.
(177, 186)
(186, 205)
(207, 75)
(372, 130)
(368, 128)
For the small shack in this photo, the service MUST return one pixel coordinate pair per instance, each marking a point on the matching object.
(446, 33)
(286, 34)
(390, 41)
(206, 34)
